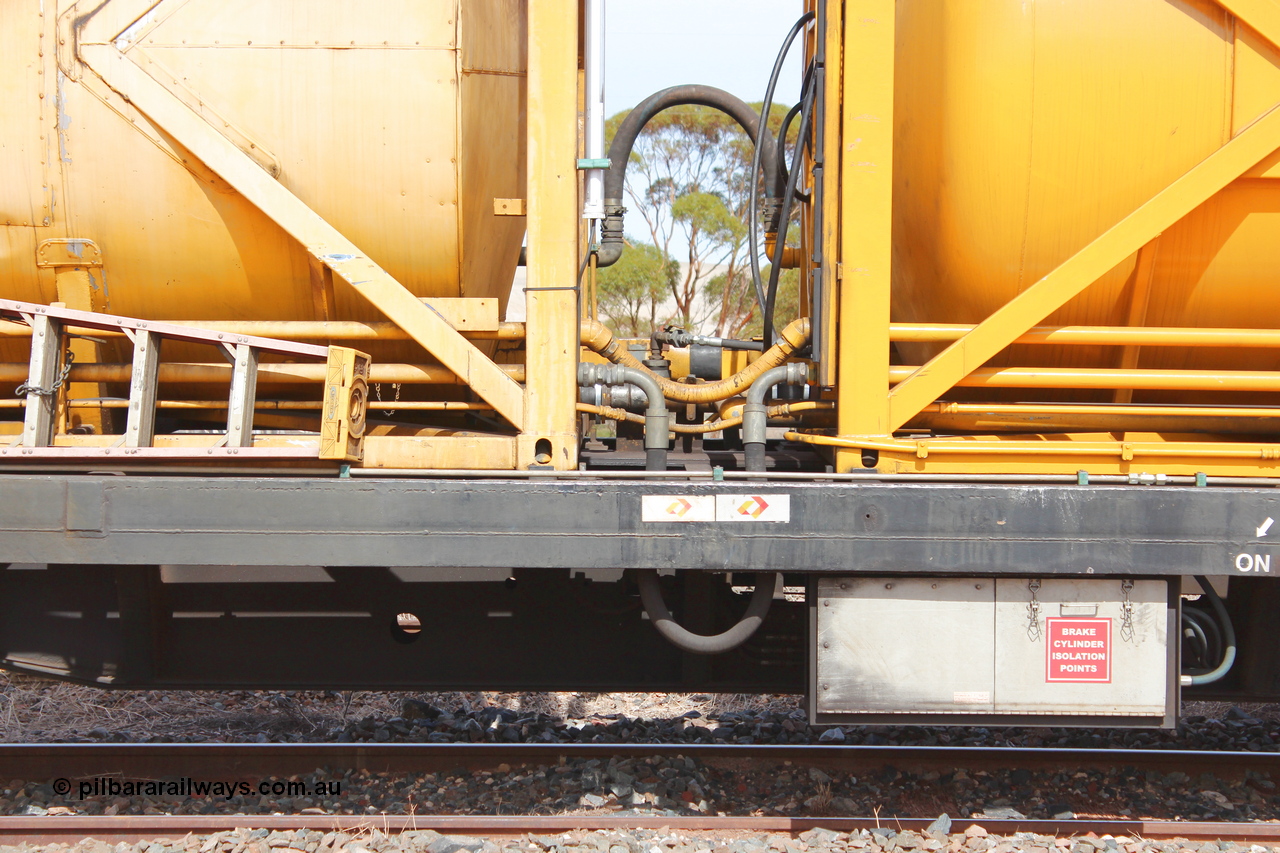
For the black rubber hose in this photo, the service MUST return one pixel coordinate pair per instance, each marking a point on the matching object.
(611, 237)
(1193, 634)
(1228, 634)
(700, 644)
(783, 172)
(1207, 629)
(785, 128)
(753, 243)
(788, 199)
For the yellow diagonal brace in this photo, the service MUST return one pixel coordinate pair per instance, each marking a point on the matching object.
(1083, 268)
(319, 238)
(1262, 15)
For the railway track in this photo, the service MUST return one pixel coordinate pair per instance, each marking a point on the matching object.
(83, 764)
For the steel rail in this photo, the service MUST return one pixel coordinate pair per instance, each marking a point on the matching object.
(242, 761)
(151, 760)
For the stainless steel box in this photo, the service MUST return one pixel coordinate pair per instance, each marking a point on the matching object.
(982, 650)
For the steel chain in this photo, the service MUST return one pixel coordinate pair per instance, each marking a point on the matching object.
(26, 389)
(377, 387)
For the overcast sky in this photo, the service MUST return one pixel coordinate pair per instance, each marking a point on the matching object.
(731, 44)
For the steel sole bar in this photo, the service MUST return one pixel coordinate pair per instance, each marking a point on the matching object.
(816, 527)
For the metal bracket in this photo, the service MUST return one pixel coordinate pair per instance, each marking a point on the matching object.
(346, 401)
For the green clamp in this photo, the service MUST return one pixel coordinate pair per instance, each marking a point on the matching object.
(717, 474)
(1202, 479)
(1082, 478)
(344, 472)
(599, 163)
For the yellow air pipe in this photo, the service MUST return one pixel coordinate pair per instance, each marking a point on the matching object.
(1098, 335)
(414, 374)
(1067, 377)
(333, 330)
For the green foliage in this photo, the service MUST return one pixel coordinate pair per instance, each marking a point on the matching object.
(631, 291)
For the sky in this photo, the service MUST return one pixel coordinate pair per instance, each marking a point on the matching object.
(731, 44)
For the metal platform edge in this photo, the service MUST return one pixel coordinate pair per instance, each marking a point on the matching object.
(828, 527)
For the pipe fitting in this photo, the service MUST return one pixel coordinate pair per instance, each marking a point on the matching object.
(626, 397)
(755, 414)
(656, 418)
(598, 338)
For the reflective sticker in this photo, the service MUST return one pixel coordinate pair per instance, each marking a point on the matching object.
(665, 508)
(677, 508)
(753, 508)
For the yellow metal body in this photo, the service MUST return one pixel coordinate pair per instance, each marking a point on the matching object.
(1083, 208)
(398, 124)
(1048, 233)
(303, 162)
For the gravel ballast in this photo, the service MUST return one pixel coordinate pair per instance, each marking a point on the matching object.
(973, 839)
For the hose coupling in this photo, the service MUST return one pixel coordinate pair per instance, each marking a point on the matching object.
(656, 418)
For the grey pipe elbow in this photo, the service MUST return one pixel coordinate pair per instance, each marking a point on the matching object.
(656, 418)
(755, 413)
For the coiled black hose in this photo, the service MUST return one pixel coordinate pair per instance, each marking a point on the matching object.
(683, 638)
(1228, 637)
(611, 233)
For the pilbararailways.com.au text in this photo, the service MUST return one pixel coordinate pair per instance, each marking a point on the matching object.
(104, 786)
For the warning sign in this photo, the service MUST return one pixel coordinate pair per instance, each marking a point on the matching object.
(1079, 650)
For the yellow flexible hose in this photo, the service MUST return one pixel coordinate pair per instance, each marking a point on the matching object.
(598, 338)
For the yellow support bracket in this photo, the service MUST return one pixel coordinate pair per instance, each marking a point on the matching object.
(1031, 306)
(1262, 15)
(346, 404)
(866, 199)
(317, 236)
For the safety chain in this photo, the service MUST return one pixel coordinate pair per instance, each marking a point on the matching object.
(25, 389)
(1033, 612)
(1126, 612)
(377, 389)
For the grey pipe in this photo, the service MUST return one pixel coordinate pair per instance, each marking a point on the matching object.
(656, 418)
(1228, 637)
(702, 644)
(755, 412)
